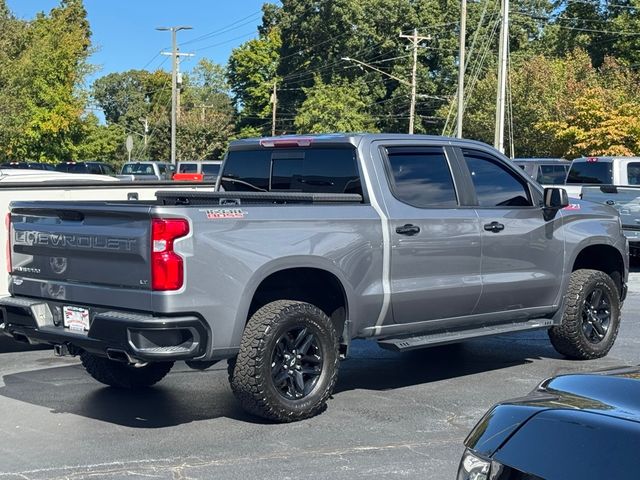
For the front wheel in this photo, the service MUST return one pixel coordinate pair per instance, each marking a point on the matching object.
(591, 318)
(288, 362)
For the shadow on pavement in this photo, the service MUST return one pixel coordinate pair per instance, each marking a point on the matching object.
(398, 370)
(183, 397)
(8, 344)
(189, 396)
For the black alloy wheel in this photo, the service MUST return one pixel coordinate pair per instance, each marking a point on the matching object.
(296, 363)
(596, 315)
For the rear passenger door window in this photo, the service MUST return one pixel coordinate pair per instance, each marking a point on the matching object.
(633, 173)
(495, 184)
(421, 177)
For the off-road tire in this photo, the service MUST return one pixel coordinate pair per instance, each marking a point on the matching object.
(250, 373)
(121, 375)
(568, 338)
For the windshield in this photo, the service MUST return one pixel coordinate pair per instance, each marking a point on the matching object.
(188, 168)
(591, 172)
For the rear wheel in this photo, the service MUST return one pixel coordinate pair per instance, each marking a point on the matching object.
(121, 375)
(288, 362)
(591, 318)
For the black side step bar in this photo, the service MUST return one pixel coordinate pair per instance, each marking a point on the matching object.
(402, 344)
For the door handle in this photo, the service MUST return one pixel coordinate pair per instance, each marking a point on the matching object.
(494, 227)
(408, 229)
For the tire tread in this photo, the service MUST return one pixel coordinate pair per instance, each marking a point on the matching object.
(567, 338)
(248, 383)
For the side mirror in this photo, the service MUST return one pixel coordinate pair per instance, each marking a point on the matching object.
(555, 198)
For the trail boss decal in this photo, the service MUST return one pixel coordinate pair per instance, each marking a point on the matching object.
(572, 206)
(220, 213)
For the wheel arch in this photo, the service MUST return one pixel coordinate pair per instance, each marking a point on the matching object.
(603, 257)
(313, 280)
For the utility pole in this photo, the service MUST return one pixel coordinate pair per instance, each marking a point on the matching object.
(179, 83)
(503, 53)
(461, 66)
(174, 83)
(415, 40)
(274, 102)
(145, 122)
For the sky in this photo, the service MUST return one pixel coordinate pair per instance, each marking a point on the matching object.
(124, 34)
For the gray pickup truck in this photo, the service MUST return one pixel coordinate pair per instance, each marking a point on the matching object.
(626, 200)
(309, 243)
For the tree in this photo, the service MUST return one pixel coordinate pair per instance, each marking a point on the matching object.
(602, 117)
(252, 73)
(135, 97)
(562, 107)
(42, 70)
(336, 107)
(100, 142)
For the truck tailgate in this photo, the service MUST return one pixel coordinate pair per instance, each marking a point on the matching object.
(91, 243)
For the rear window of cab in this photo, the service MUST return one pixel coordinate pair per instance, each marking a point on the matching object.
(593, 172)
(308, 170)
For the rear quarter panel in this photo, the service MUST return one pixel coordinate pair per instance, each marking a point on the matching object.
(227, 259)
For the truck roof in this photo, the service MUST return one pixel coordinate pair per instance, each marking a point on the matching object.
(597, 158)
(344, 138)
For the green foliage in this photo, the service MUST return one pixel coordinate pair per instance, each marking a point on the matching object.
(335, 107)
(573, 79)
(564, 107)
(100, 142)
(44, 63)
(601, 116)
(252, 72)
(129, 99)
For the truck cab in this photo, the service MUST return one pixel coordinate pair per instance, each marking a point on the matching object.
(622, 171)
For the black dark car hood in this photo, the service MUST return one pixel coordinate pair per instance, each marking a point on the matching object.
(614, 393)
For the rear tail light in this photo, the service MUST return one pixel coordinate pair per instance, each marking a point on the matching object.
(7, 222)
(167, 267)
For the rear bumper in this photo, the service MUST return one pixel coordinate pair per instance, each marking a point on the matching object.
(141, 337)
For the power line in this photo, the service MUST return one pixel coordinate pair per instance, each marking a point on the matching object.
(244, 35)
(607, 5)
(228, 28)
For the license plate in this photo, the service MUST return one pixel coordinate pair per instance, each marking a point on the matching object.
(76, 318)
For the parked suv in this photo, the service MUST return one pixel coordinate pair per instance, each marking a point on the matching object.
(97, 168)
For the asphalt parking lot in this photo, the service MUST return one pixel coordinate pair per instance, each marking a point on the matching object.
(392, 415)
